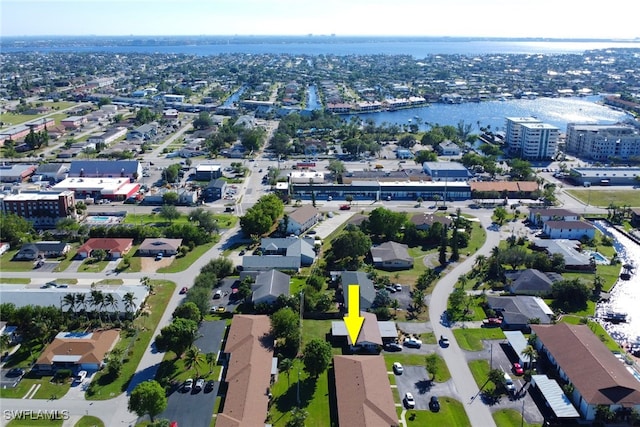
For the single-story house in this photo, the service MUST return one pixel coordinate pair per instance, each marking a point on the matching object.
(115, 248)
(155, 246)
(531, 282)
(302, 219)
(448, 148)
(290, 246)
(570, 250)
(269, 285)
(518, 311)
(363, 392)
(598, 377)
(426, 220)
(40, 250)
(391, 256)
(249, 374)
(77, 350)
(575, 230)
(539, 216)
(367, 290)
(270, 262)
(369, 340)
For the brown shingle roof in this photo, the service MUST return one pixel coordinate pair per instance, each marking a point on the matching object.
(581, 225)
(248, 372)
(430, 219)
(363, 392)
(91, 350)
(303, 214)
(370, 331)
(595, 372)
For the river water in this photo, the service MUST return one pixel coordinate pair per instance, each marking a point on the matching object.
(625, 296)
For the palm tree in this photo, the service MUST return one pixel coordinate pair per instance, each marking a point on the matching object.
(211, 361)
(395, 305)
(81, 301)
(285, 365)
(96, 299)
(530, 352)
(129, 303)
(481, 262)
(111, 302)
(194, 358)
(69, 301)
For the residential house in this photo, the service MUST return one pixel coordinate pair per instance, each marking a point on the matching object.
(155, 246)
(369, 339)
(530, 282)
(143, 132)
(391, 256)
(40, 250)
(269, 285)
(302, 219)
(249, 354)
(571, 251)
(73, 122)
(363, 392)
(539, 216)
(517, 312)
(108, 137)
(448, 148)
(115, 248)
(597, 376)
(77, 351)
(426, 220)
(291, 247)
(367, 290)
(270, 262)
(573, 230)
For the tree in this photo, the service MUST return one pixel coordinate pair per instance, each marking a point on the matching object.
(169, 212)
(285, 366)
(496, 376)
(317, 357)
(530, 352)
(194, 358)
(188, 310)
(350, 244)
(285, 323)
(500, 214)
(178, 336)
(337, 167)
(298, 418)
(170, 198)
(442, 252)
(69, 301)
(129, 303)
(205, 219)
(571, 294)
(148, 398)
(14, 229)
(145, 115)
(431, 363)
(203, 121)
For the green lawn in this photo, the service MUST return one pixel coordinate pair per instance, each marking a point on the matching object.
(90, 266)
(46, 390)
(134, 344)
(604, 198)
(14, 266)
(511, 418)
(16, 280)
(182, 263)
(480, 371)
(89, 421)
(471, 338)
(451, 413)
(442, 373)
(35, 423)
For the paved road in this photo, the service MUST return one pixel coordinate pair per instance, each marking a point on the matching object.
(464, 384)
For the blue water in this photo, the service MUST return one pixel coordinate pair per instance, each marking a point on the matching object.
(313, 101)
(554, 111)
(417, 48)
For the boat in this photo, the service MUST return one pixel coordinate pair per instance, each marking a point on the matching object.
(625, 276)
(615, 316)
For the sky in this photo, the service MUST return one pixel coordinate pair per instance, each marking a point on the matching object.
(464, 18)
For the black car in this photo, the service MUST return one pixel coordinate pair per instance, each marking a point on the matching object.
(15, 372)
(434, 404)
(208, 387)
(392, 346)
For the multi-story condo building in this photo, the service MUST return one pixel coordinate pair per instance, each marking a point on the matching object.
(539, 141)
(514, 132)
(42, 209)
(601, 142)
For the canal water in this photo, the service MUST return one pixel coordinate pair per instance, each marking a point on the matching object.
(625, 295)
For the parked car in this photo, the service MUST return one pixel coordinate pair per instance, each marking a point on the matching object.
(217, 309)
(398, 287)
(508, 383)
(434, 404)
(492, 322)
(15, 372)
(345, 207)
(217, 294)
(444, 341)
(159, 256)
(208, 387)
(199, 385)
(390, 289)
(409, 401)
(188, 385)
(184, 290)
(397, 368)
(80, 377)
(517, 369)
(412, 342)
(393, 346)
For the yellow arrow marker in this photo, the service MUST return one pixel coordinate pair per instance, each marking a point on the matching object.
(353, 321)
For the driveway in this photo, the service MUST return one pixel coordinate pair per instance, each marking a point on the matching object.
(415, 379)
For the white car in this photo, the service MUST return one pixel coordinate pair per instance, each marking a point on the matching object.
(412, 342)
(397, 368)
(188, 385)
(409, 401)
(80, 377)
(199, 384)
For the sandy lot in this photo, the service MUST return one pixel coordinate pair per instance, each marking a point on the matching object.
(150, 265)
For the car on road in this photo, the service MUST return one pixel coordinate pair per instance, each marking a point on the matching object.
(434, 404)
(199, 385)
(208, 387)
(184, 290)
(444, 341)
(345, 207)
(409, 401)
(508, 383)
(393, 346)
(412, 342)
(217, 309)
(517, 369)
(397, 368)
(15, 372)
(188, 385)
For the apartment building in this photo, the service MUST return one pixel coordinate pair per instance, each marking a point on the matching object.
(514, 132)
(601, 142)
(539, 141)
(43, 209)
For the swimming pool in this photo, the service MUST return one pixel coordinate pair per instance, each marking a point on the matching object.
(600, 259)
(99, 218)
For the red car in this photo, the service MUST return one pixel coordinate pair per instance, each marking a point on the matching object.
(345, 207)
(184, 290)
(517, 369)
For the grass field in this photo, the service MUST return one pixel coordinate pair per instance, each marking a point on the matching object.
(480, 371)
(604, 198)
(451, 413)
(89, 421)
(28, 422)
(511, 418)
(471, 339)
(442, 372)
(182, 263)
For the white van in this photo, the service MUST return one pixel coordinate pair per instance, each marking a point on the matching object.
(508, 383)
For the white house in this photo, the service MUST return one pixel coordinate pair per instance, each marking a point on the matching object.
(448, 148)
(574, 230)
(542, 215)
(302, 219)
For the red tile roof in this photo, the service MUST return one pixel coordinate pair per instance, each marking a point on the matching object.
(107, 244)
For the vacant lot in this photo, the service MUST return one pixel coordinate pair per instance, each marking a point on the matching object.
(604, 198)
